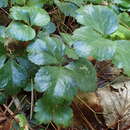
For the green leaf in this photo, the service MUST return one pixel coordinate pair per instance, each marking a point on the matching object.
(101, 49)
(22, 121)
(60, 114)
(85, 74)
(13, 77)
(31, 15)
(125, 4)
(69, 9)
(18, 2)
(20, 31)
(124, 19)
(3, 3)
(71, 54)
(67, 38)
(2, 31)
(58, 81)
(86, 33)
(36, 3)
(121, 34)
(49, 51)
(121, 57)
(2, 60)
(2, 98)
(2, 55)
(49, 28)
(63, 82)
(78, 2)
(99, 18)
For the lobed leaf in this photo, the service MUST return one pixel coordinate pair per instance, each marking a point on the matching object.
(20, 31)
(49, 51)
(99, 18)
(60, 114)
(30, 15)
(12, 77)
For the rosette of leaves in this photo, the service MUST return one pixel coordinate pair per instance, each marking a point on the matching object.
(95, 37)
(59, 78)
(31, 17)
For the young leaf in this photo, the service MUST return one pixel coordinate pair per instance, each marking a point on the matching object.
(22, 122)
(99, 18)
(49, 51)
(31, 15)
(20, 31)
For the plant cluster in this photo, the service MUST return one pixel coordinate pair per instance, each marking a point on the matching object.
(35, 58)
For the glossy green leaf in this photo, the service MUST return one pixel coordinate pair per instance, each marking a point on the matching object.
(101, 49)
(63, 82)
(60, 114)
(86, 33)
(31, 15)
(58, 81)
(85, 74)
(49, 51)
(12, 77)
(20, 31)
(99, 18)
(3, 3)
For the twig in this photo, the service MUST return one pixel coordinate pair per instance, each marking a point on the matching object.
(8, 106)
